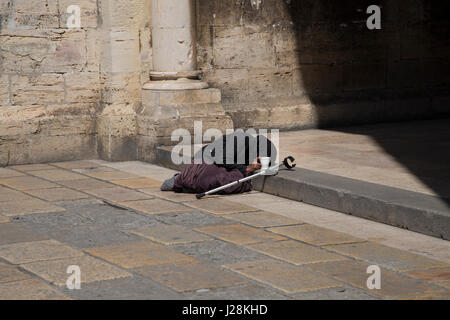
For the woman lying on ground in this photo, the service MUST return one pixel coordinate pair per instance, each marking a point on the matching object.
(210, 174)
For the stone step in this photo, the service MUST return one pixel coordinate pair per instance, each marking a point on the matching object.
(414, 211)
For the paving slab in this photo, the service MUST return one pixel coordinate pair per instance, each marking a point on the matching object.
(191, 219)
(239, 234)
(56, 175)
(31, 289)
(91, 236)
(393, 285)
(314, 235)
(32, 167)
(105, 173)
(118, 194)
(344, 292)
(8, 195)
(103, 214)
(188, 276)
(13, 233)
(169, 234)
(263, 219)
(8, 173)
(44, 223)
(154, 206)
(169, 195)
(130, 288)
(218, 252)
(26, 183)
(78, 164)
(10, 274)
(389, 258)
(24, 207)
(138, 254)
(440, 276)
(441, 296)
(445, 284)
(26, 252)
(295, 252)
(249, 291)
(142, 169)
(138, 183)
(92, 269)
(219, 206)
(86, 184)
(282, 276)
(57, 194)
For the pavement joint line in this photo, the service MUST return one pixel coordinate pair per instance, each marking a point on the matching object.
(131, 271)
(300, 267)
(54, 286)
(364, 288)
(319, 246)
(111, 203)
(135, 274)
(34, 276)
(262, 228)
(21, 191)
(112, 184)
(59, 185)
(401, 273)
(108, 182)
(215, 238)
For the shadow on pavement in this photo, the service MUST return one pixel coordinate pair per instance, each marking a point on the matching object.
(353, 76)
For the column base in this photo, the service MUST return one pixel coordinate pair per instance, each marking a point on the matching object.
(167, 110)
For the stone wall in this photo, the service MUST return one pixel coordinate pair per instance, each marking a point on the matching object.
(305, 63)
(77, 93)
(56, 82)
(49, 81)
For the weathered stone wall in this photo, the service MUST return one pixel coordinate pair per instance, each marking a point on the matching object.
(304, 63)
(77, 93)
(56, 82)
(49, 82)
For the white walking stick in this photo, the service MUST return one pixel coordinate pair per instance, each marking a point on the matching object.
(288, 162)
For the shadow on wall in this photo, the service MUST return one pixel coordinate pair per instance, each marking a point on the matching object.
(402, 72)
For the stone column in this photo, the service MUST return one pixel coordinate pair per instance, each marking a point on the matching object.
(174, 46)
(175, 97)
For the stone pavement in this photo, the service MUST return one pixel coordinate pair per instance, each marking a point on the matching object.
(411, 155)
(132, 241)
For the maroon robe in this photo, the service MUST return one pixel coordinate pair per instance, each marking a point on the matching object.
(198, 178)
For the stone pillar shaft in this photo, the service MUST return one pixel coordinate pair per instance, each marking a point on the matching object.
(174, 39)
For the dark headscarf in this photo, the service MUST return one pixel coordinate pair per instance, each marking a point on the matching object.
(245, 146)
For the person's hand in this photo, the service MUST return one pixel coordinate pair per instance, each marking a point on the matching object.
(253, 167)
